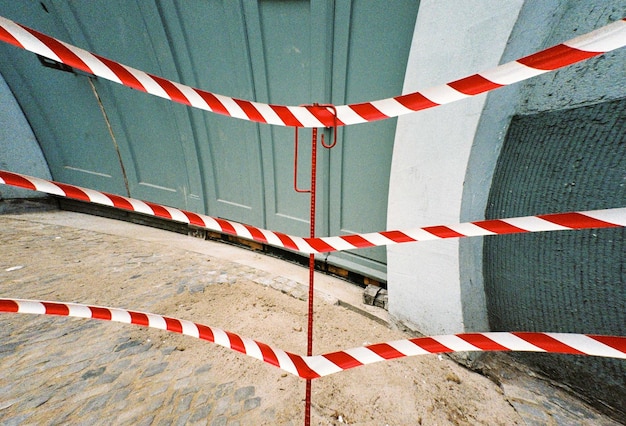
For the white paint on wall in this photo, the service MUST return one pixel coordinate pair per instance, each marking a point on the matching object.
(431, 151)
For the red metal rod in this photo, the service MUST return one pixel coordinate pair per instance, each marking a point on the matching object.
(309, 348)
(312, 233)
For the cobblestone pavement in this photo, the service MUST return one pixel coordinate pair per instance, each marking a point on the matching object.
(84, 373)
(71, 371)
(77, 386)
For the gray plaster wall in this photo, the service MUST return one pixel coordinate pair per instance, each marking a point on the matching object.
(534, 24)
(571, 282)
(598, 79)
(19, 149)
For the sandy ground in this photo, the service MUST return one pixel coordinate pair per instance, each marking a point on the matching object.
(94, 268)
(426, 390)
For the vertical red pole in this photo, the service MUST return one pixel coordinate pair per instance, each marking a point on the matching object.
(309, 347)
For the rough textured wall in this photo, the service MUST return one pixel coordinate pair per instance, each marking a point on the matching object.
(599, 80)
(595, 80)
(572, 281)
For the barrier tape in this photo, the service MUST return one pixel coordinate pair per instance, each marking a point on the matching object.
(316, 366)
(607, 218)
(602, 40)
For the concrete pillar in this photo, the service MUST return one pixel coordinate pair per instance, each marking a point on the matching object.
(431, 152)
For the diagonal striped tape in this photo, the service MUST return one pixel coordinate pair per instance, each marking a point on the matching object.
(608, 218)
(602, 40)
(313, 367)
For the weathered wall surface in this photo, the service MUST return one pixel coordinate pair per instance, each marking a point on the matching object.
(534, 24)
(444, 158)
(20, 151)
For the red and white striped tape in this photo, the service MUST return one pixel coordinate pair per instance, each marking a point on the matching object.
(605, 39)
(312, 367)
(607, 218)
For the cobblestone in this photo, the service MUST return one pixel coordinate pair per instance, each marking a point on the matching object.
(202, 413)
(251, 404)
(538, 401)
(244, 393)
(93, 373)
(154, 370)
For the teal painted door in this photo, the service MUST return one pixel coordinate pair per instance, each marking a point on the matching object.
(210, 50)
(279, 51)
(154, 135)
(92, 131)
(60, 108)
(290, 62)
(330, 52)
(372, 41)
